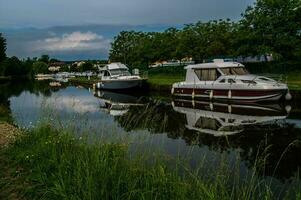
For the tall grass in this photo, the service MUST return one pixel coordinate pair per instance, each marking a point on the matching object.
(46, 163)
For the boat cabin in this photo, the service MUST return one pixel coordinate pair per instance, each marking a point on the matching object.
(114, 70)
(212, 71)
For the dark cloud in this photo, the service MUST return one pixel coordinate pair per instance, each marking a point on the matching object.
(66, 42)
(52, 36)
(57, 12)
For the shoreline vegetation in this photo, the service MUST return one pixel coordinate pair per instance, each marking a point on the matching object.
(51, 163)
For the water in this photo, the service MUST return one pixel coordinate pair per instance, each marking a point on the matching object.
(180, 128)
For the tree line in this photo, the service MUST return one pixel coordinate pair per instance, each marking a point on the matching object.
(267, 27)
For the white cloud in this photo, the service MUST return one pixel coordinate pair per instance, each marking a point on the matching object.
(75, 41)
(79, 104)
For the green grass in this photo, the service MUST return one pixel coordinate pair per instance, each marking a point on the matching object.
(165, 79)
(46, 163)
(161, 79)
(165, 76)
(84, 80)
(293, 79)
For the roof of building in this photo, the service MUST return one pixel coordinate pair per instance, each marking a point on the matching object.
(217, 63)
(117, 65)
(56, 64)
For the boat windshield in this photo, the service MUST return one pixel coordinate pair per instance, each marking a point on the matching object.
(122, 72)
(207, 74)
(234, 71)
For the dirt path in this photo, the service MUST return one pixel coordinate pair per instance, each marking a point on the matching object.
(7, 133)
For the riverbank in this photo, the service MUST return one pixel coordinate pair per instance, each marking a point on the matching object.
(84, 81)
(163, 82)
(53, 164)
(8, 133)
(4, 78)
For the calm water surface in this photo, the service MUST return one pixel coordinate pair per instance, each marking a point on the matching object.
(178, 127)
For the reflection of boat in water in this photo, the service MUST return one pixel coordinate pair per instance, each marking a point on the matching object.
(55, 84)
(116, 104)
(227, 119)
(59, 77)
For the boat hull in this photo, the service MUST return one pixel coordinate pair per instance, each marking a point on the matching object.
(231, 95)
(119, 84)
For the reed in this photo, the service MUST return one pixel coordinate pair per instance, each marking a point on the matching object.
(47, 163)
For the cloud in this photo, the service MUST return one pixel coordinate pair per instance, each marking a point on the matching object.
(45, 13)
(75, 41)
(79, 104)
(33, 42)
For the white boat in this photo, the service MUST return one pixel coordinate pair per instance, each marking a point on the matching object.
(116, 76)
(116, 104)
(228, 81)
(220, 119)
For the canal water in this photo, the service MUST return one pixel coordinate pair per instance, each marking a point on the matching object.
(194, 130)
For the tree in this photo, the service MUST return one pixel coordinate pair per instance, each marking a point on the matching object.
(40, 67)
(2, 48)
(14, 67)
(87, 66)
(271, 26)
(44, 58)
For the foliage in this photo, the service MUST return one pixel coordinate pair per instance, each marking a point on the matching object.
(272, 26)
(44, 58)
(2, 48)
(269, 27)
(87, 66)
(14, 67)
(40, 67)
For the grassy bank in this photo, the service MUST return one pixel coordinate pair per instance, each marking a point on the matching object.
(84, 81)
(165, 81)
(45, 163)
(161, 79)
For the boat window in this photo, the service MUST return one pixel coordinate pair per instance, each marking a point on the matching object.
(234, 71)
(122, 72)
(222, 81)
(248, 82)
(206, 74)
(106, 73)
(264, 79)
(239, 71)
(230, 80)
(207, 123)
(231, 128)
(231, 120)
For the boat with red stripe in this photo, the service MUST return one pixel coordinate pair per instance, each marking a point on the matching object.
(229, 81)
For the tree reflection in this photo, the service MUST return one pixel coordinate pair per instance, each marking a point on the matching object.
(276, 143)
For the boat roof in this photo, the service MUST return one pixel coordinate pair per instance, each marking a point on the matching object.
(116, 65)
(217, 63)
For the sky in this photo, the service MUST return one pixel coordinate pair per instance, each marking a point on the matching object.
(83, 29)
